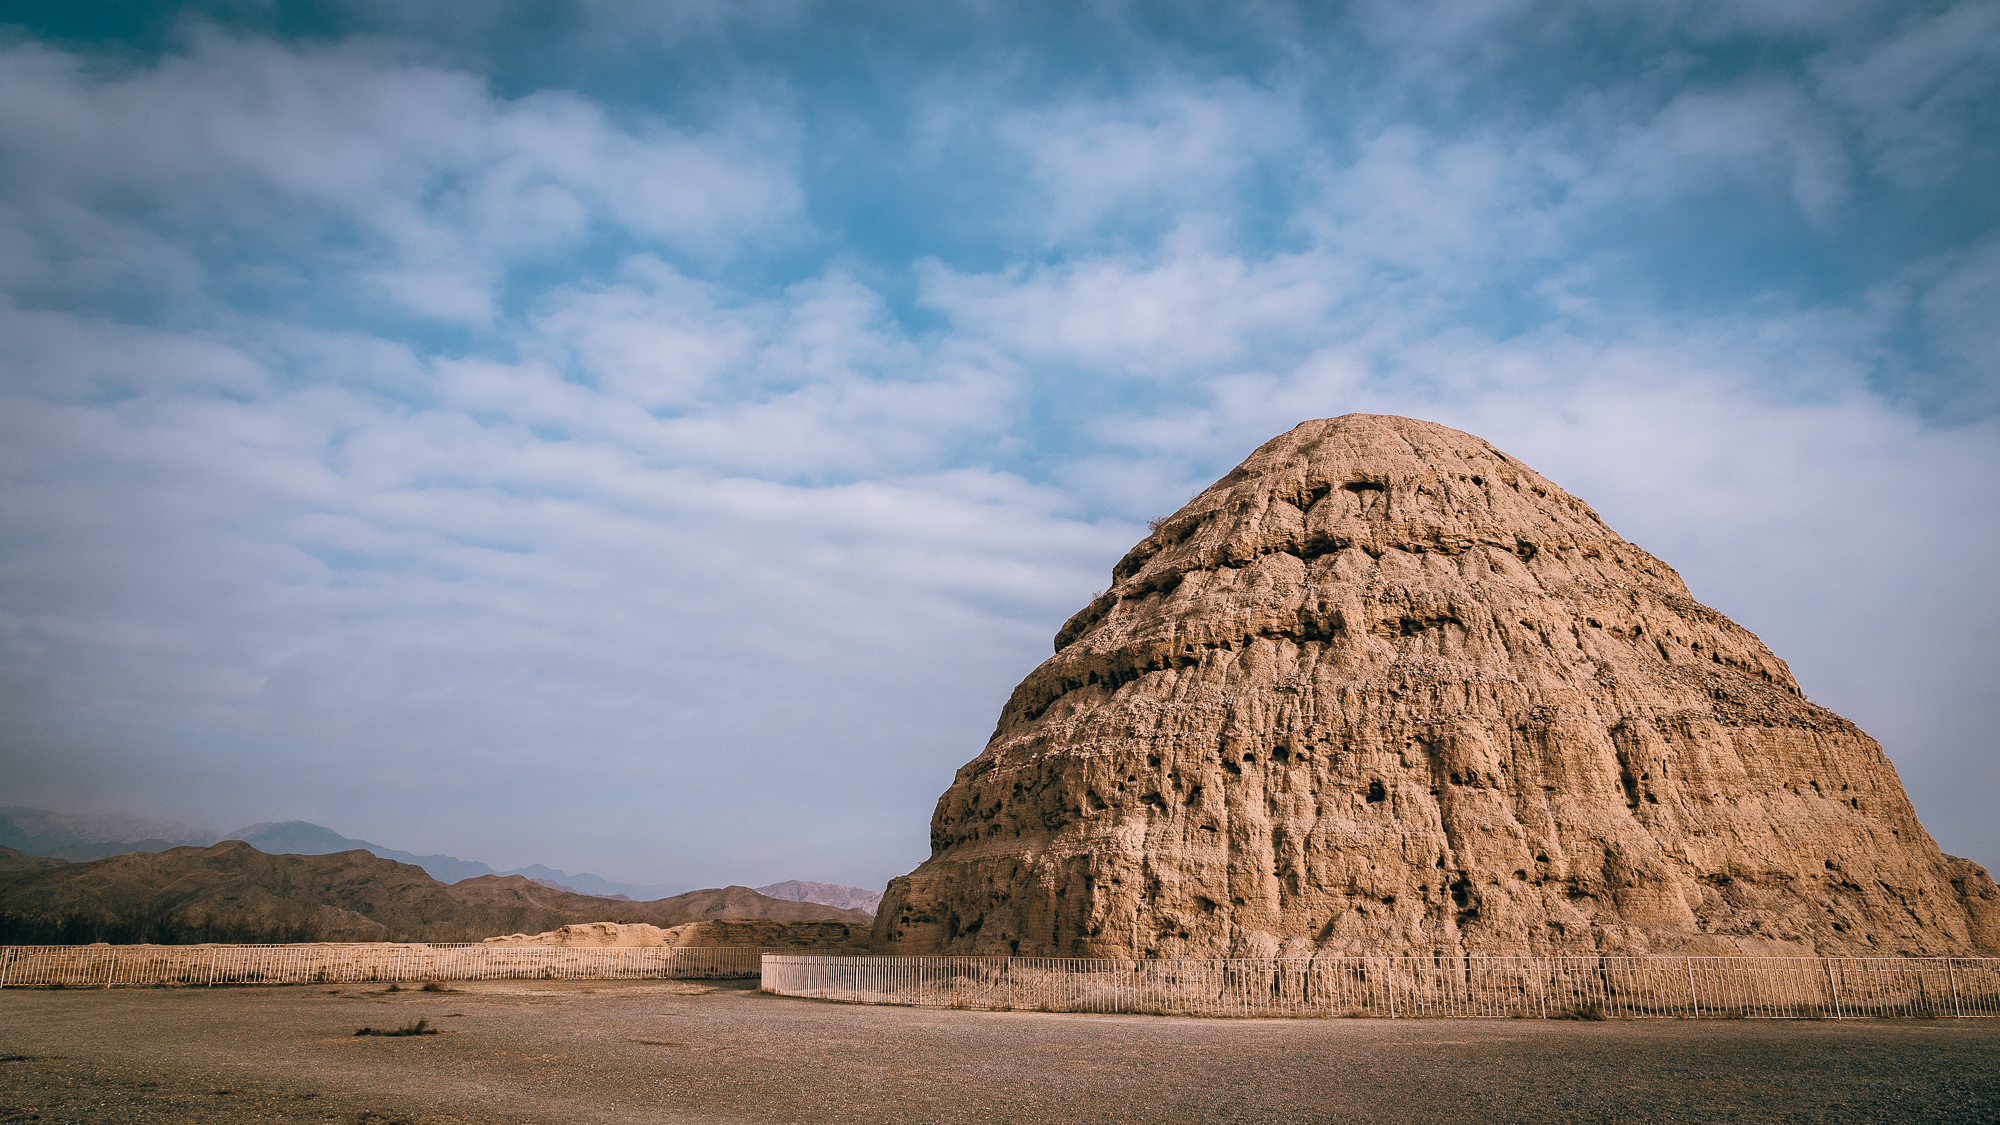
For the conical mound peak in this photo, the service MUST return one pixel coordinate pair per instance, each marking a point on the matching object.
(1383, 688)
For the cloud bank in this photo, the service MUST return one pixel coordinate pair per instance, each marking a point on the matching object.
(658, 447)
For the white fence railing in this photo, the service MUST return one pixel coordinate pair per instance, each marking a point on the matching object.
(86, 966)
(1411, 987)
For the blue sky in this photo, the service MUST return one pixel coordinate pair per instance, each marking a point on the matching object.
(654, 439)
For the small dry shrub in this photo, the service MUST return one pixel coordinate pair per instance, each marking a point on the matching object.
(421, 1027)
(435, 986)
(1590, 1011)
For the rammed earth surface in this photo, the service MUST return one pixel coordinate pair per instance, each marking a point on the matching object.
(1384, 689)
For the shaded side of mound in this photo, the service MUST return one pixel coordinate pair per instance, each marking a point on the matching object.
(232, 892)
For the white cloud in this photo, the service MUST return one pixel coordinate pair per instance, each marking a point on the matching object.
(1188, 309)
(1151, 155)
(455, 596)
(1754, 134)
(413, 178)
(1957, 312)
(1917, 93)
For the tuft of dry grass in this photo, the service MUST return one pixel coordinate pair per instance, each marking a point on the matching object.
(421, 1027)
(1590, 1011)
(435, 986)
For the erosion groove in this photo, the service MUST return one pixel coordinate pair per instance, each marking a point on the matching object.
(1384, 689)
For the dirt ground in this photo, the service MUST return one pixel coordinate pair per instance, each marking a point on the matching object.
(555, 1053)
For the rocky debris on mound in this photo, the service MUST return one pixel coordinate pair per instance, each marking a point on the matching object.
(1385, 689)
(231, 892)
(827, 894)
(762, 932)
(591, 934)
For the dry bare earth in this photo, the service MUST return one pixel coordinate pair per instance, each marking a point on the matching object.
(558, 1053)
(232, 892)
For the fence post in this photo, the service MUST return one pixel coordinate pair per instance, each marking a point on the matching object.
(1951, 974)
(1832, 988)
(1694, 997)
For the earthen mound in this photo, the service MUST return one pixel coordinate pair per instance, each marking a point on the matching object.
(1385, 689)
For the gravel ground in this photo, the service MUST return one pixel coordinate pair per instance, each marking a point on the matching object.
(556, 1053)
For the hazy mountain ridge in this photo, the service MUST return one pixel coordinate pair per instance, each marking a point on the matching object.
(11, 860)
(232, 892)
(829, 894)
(81, 838)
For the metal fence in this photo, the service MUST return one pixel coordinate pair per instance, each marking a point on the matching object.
(1411, 987)
(89, 966)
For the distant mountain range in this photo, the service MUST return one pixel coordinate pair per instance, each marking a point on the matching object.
(830, 894)
(40, 832)
(78, 838)
(232, 892)
(299, 837)
(82, 838)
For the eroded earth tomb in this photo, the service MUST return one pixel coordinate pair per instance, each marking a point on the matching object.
(1385, 689)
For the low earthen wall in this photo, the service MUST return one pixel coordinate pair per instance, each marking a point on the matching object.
(1411, 987)
(85, 966)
